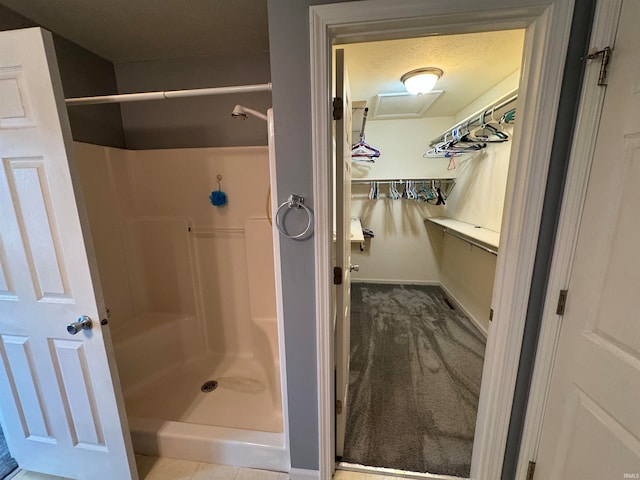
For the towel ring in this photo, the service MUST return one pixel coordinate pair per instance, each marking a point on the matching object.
(293, 201)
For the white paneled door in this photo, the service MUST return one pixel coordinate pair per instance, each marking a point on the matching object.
(591, 429)
(60, 399)
(343, 248)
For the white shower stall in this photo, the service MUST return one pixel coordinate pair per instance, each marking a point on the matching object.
(119, 257)
(190, 291)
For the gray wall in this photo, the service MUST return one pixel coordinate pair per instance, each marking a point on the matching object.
(199, 121)
(289, 43)
(196, 122)
(83, 73)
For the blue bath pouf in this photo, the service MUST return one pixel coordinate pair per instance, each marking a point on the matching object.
(218, 198)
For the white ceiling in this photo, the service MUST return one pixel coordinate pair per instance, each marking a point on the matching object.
(472, 64)
(131, 30)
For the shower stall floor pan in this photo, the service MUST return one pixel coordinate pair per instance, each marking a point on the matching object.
(203, 443)
(244, 398)
(239, 423)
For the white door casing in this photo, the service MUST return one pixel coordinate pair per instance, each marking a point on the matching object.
(591, 427)
(343, 247)
(62, 409)
(548, 26)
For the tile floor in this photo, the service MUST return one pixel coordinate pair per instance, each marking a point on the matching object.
(154, 468)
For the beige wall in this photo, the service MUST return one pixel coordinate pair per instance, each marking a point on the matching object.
(404, 250)
(401, 251)
(467, 272)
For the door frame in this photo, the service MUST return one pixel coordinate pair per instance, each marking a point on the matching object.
(548, 24)
(605, 26)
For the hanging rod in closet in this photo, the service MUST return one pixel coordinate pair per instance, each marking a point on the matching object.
(474, 120)
(470, 241)
(163, 95)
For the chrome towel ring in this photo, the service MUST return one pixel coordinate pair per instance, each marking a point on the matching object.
(298, 202)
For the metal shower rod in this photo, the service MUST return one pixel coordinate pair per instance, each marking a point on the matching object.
(144, 96)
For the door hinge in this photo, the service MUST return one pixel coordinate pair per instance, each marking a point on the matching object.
(530, 470)
(337, 275)
(338, 407)
(490, 314)
(606, 55)
(338, 108)
(562, 302)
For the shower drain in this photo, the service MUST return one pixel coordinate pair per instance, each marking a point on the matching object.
(209, 386)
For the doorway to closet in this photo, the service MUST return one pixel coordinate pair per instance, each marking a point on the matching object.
(428, 182)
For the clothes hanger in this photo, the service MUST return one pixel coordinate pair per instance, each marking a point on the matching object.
(509, 117)
(448, 148)
(491, 131)
(439, 197)
(434, 194)
(393, 191)
(373, 191)
(424, 193)
(363, 150)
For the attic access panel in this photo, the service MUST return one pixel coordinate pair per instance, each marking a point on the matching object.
(388, 106)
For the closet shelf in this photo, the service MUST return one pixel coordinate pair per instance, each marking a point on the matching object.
(356, 231)
(477, 118)
(487, 240)
(446, 180)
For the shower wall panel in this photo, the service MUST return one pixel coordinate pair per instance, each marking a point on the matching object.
(105, 200)
(162, 248)
(224, 291)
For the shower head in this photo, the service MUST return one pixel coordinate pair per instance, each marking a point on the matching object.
(241, 112)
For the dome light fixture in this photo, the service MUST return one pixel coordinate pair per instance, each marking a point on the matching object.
(421, 80)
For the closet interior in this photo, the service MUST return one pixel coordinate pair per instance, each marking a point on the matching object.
(428, 182)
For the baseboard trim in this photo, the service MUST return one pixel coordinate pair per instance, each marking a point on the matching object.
(302, 474)
(396, 282)
(459, 305)
(448, 293)
(15, 474)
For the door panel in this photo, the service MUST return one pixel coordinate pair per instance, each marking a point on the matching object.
(78, 398)
(343, 247)
(25, 390)
(592, 422)
(62, 409)
(33, 209)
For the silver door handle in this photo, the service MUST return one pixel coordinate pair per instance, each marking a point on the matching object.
(354, 268)
(83, 323)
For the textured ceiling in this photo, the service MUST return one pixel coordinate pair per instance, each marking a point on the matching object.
(472, 64)
(131, 30)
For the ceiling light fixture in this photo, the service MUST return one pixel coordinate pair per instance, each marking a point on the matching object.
(421, 80)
